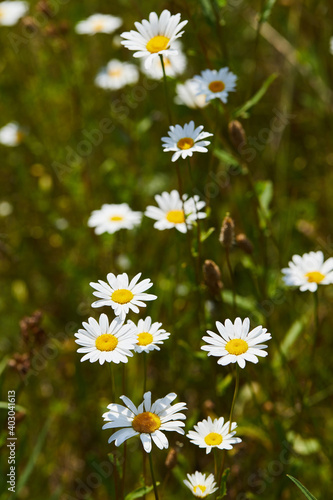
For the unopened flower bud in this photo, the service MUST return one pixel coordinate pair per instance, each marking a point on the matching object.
(244, 243)
(227, 234)
(237, 134)
(212, 276)
(171, 459)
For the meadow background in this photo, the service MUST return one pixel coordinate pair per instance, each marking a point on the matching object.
(70, 164)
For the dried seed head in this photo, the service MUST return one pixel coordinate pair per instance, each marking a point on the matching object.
(32, 332)
(20, 363)
(227, 234)
(237, 134)
(212, 276)
(171, 459)
(244, 243)
(44, 7)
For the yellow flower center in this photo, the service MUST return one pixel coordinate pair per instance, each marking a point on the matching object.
(145, 338)
(146, 422)
(216, 86)
(185, 143)
(314, 277)
(237, 346)
(114, 73)
(106, 342)
(98, 26)
(201, 487)
(122, 296)
(116, 218)
(176, 216)
(157, 43)
(213, 439)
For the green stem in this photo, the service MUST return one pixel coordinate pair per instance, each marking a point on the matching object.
(196, 214)
(232, 279)
(144, 372)
(166, 90)
(316, 320)
(230, 421)
(153, 476)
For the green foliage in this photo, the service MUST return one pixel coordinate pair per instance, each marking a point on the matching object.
(305, 492)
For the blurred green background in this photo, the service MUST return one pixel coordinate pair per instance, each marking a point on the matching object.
(62, 171)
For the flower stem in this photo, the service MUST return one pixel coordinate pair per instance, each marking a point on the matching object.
(153, 476)
(316, 320)
(166, 90)
(144, 372)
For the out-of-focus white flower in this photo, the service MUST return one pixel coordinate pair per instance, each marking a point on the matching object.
(200, 485)
(116, 75)
(112, 218)
(11, 12)
(185, 140)
(216, 84)
(308, 271)
(11, 134)
(98, 23)
(187, 95)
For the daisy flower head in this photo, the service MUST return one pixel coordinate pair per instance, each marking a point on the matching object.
(216, 84)
(174, 65)
(185, 140)
(104, 342)
(154, 37)
(112, 218)
(214, 434)
(12, 11)
(235, 343)
(200, 485)
(186, 93)
(308, 271)
(148, 420)
(172, 211)
(11, 135)
(98, 23)
(117, 75)
(121, 294)
(148, 335)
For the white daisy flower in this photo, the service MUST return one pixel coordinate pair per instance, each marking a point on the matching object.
(174, 65)
(147, 420)
(235, 343)
(11, 12)
(200, 485)
(11, 134)
(122, 295)
(117, 75)
(215, 83)
(98, 23)
(187, 95)
(154, 37)
(172, 211)
(185, 140)
(148, 335)
(102, 341)
(112, 218)
(308, 271)
(214, 434)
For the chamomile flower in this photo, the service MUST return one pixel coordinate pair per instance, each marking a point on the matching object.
(148, 420)
(186, 93)
(174, 65)
(154, 37)
(11, 135)
(102, 341)
(11, 12)
(308, 271)
(235, 343)
(112, 218)
(173, 212)
(200, 485)
(216, 84)
(117, 75)
(98, 23)
(121, 294)
(185, 140)
(214, 434)
(148, 335)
